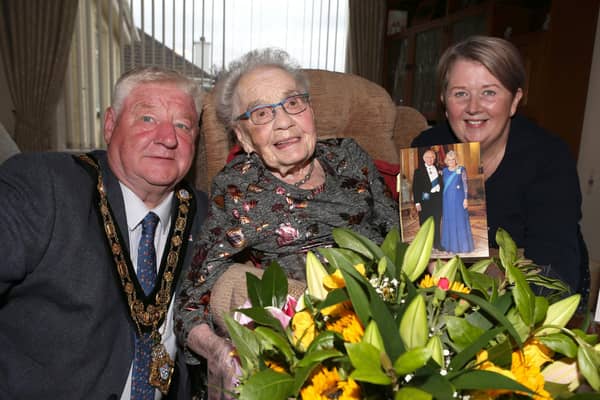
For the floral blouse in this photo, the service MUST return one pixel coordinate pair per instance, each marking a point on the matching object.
(254, 215)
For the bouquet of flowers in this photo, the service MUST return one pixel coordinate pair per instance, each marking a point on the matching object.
(373, 324)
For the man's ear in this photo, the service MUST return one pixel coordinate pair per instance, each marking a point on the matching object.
(243, 139)
(110, 122)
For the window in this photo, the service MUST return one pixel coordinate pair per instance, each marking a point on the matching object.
(196, 37)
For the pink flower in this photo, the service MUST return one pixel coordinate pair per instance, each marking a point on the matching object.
(284, 315)
(444, 284)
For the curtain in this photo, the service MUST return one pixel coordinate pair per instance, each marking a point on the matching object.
(366, 33)
(35, 38)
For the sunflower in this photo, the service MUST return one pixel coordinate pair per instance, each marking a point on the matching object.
(347, 325)
(326, 384)
(525, 369)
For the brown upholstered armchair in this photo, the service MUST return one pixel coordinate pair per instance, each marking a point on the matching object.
(345, 105)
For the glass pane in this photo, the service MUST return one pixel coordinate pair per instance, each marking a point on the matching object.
(428, 49)
(397, 70)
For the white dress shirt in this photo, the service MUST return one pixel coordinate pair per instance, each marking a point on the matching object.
(433, 174)
(136, 210)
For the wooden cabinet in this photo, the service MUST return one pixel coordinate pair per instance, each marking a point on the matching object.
(411, 56)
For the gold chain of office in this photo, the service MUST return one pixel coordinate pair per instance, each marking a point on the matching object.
(152, 314)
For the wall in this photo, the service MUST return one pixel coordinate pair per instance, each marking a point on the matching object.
(588, 167)
(6, 105)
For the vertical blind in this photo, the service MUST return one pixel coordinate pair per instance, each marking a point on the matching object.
(196, 37)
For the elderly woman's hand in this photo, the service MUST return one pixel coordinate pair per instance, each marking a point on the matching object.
(223, 366)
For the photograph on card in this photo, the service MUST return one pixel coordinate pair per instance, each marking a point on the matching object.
(445, 182)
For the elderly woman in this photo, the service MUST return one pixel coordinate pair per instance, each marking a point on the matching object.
(531, 184)
(456, 227)
(281, 198)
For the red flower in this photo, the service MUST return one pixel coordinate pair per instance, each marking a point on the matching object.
(444, 284)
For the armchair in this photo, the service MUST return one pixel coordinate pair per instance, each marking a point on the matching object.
(345, 105)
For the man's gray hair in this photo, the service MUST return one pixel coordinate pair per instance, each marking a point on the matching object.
(228, 79)
(136, 76)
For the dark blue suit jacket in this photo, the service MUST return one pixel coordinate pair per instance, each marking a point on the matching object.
(65, 331)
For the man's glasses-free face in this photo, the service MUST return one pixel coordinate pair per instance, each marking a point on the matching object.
(265, 113)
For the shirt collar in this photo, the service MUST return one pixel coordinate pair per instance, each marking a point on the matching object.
(136, 210)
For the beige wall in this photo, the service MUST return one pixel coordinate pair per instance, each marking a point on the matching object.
(6, 106)
(589, 170)
(589, 151)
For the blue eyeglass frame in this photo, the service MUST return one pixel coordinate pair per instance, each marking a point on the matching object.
(246, 115)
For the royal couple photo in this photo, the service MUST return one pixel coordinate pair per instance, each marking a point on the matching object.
(445, 182)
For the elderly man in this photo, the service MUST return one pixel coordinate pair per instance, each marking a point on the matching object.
(92, 247)
(427, 194)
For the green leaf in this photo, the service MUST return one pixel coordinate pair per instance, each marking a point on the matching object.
(437, 351)
(501, 354)
(412, 360)
(348, 239)
(411, 393)
(262, 317)
(461, 331)
(468, 353)
(523, 295)
(448, 270)
(482, 380)
(481, 266)
(318, 356)
(541, 309)
(267, 384)
(391, 247)
(481, 283)
(360, 301)
(517, 322)
(560, 343)
(334, 297)
(274, 286)
(246, 343)
(418, 253)
(270, 338)
(493, 311)
(439, 387)
(254, 286)
(366, 360)
(508, 248)
(324, 340)
(588, 361)
(413, 325)
(315, 273)
(560, 313)
(372, 336)
(386, 324)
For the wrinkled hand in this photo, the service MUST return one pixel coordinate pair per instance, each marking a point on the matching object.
(223, 365)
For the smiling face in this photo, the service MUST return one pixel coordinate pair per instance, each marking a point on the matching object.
(429, 157)
(151, 142)
(286, 143)
(478, 106)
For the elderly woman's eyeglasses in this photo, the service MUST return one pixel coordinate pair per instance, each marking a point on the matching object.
(265, 113)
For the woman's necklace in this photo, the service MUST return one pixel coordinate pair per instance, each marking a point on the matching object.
(307, 176)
